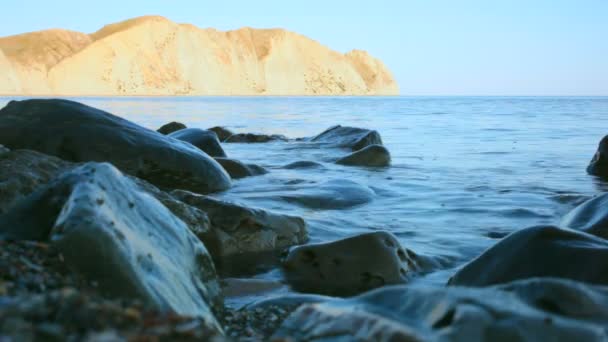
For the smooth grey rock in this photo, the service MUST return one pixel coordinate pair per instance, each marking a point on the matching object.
(348, 137)
(206, 141)
(599, 164)
(171, 127)
(303, 164)
(222, 133)
(75, 132)
(591, 217)
(542, 251)
(238, 170)
(254, 138)
(372, 155)
(112, 232)
(350, 266)
(239, 229)
(333, 194)
(531, 310)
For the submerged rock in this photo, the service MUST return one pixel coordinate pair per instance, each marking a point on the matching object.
(599, 164)
(333, 194)
(542, 251)
(350, 266)
(254, 138)
(75, 132)
(531, 310)
(348, 137)
(222, 133)
(303, 164)
(206, 141)
(372, 155)
(127, 241)
(239, 229)
(237, 169)
(591, 216)
(171, 127)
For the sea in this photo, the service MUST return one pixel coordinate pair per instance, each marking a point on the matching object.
(466, 171)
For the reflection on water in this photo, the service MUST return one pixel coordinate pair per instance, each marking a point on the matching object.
(465, 172)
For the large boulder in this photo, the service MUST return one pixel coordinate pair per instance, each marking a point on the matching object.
(110, 231)
(75, 132)
(240, 229)
(350, 266)
(332, 194)
(372, 155)
(590, 216)
(171, 127)
(348, 137)
(599, 164)
(222, 133)
(542, 251)
(206, 141)
(237, 169)
(254, 138)
(531, 310)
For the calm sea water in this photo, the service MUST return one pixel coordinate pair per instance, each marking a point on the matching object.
(465, 170)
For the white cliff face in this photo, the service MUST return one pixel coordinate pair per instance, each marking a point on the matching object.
(154, 56)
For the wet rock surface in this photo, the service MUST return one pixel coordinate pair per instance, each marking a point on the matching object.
(332, 194)
(222, 133)
(206, 141)
(350, 266)
(303, 164)
(348, 137)
(590, 216)
(543, 251)
(254, 138)
(75, 132)
(599, 164)
(372, 155)
(238, 170)
(530, 310)
(171, 127)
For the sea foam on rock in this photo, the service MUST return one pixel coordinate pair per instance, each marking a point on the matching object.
(372, 155)
(76, 132)
(110, 231)
(590, 216)
(599, 164)
(206, 141)
(530, 310)
(348, 137)
(543, 251)
(350, 266)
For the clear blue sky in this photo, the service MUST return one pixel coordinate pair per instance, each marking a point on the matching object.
(433, 47)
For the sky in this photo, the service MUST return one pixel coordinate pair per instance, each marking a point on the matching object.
(432, 47)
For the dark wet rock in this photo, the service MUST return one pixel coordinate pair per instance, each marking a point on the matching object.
(253, 325)
(350, 266)
(171, 127)
(591, 217)
(349, 137)
(240, 229)
(303, 164)
(206, 141)
(542, 251)
(75, 132)
(111, 232)
(237, 169)
(254, 138)
(599, 164)
(3, 149)
(531, 310)
(333, 194)
(222, 133)
(372, 155)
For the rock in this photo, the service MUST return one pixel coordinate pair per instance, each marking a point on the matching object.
(333, 194)
(122, 238)
(3, 149)
(599, 164)
(303, 164)
(591, 217)
(254, 138)
(531, 310)
(348, 137)
(171, 127)
(23, 171)
(239, 229)
(75, 132)
(372, 155)
(542, 251)
(350, 266)
(206, 141)
(237, 169)
(222, 133)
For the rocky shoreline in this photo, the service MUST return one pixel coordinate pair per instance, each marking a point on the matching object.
(110, 231)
